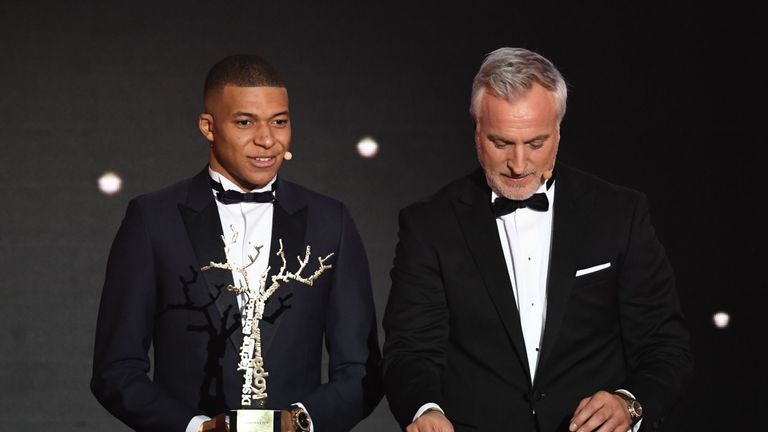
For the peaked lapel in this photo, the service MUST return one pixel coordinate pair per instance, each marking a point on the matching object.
(473, 210)
(289, 224)
(201, 218)
(570, 215)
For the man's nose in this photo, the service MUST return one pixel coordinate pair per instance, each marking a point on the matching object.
(263, 137)
(516, 159)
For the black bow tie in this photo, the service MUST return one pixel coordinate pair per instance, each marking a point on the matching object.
(234, 197)
(503, 206)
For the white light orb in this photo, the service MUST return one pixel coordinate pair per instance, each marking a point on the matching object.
(721, 319)
(367, 147)
(110, 183)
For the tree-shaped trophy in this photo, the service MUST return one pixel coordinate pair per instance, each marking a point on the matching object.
(253, 416)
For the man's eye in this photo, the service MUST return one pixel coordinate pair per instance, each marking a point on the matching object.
(280, 122)
(243, 123)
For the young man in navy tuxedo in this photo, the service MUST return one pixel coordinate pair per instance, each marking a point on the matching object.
(157, 298)
(529, 295)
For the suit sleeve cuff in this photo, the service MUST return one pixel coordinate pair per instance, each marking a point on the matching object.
(626, 392)
(424, 409)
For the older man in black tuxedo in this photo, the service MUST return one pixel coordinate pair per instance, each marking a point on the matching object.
(528, 295)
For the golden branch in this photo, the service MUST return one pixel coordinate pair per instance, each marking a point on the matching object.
(282, 276)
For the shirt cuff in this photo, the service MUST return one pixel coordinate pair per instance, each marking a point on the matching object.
(195, 423)
(425, 407)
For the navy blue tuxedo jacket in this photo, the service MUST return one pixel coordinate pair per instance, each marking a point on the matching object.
(156, 299)
(453, 327)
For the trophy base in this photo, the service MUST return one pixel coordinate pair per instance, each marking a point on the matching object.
(254, 420)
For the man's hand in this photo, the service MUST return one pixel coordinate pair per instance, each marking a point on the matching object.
(603, 412)
(431, 421)
(286, 421)
(216, 424)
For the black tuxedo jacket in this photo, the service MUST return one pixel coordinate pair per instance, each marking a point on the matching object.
(156, 297)
(453, 328)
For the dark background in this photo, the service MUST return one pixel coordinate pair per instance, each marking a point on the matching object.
(666, 99)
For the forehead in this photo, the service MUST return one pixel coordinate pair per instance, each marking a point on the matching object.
(534, 109)
(233, 98)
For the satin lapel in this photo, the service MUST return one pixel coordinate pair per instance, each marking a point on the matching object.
(474, 213)
(201, 218)
(570, 215)
(289, 224)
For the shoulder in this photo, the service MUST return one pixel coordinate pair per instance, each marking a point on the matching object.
(471, 186)
(163, 205)
(294, 193)
(328, 220)
(585, 182)
(599, 194)
(167, 197)
(175, 191)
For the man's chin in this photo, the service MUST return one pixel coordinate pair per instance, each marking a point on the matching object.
(513, 193)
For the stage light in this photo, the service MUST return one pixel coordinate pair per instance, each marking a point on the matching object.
(110, 183)
(367, 147)
(721, 319)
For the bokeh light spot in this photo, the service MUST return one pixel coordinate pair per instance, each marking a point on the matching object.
(367, 147)
(721, 319)
(110, 183)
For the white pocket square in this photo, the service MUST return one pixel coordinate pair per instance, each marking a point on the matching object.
(592, 269)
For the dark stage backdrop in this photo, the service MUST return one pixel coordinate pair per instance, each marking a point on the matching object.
(665, 99)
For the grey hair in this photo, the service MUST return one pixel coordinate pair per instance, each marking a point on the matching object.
(511, 72)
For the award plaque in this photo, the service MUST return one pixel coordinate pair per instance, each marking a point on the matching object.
(253, 416)
(254, 420)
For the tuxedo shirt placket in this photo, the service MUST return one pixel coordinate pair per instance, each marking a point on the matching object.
(525, 238)
(246, 226)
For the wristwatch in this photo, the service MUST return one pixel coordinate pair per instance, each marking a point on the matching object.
(633, 407)
(300, 419)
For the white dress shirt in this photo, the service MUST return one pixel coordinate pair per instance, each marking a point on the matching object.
(525, 237)
(247, 228)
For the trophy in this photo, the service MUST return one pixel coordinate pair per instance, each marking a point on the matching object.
(253, 416)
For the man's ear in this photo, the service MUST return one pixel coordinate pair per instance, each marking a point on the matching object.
(205, 123)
